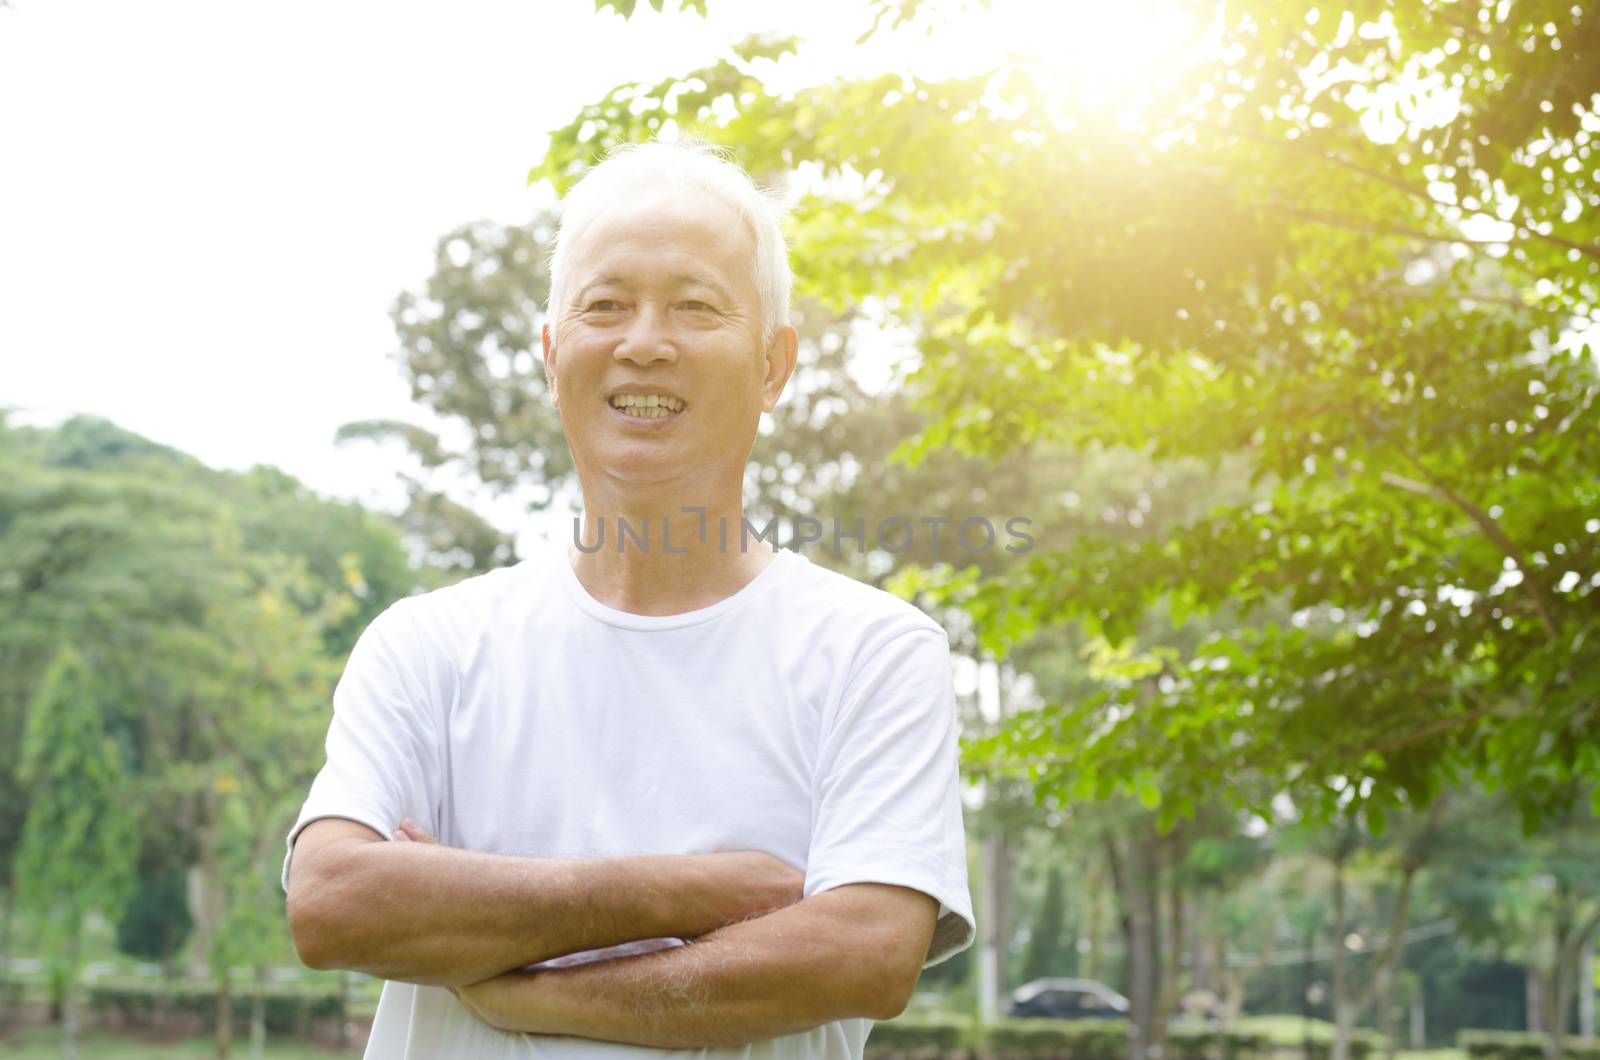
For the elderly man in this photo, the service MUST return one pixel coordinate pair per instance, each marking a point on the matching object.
(688, 793)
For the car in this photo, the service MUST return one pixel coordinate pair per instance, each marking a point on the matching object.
(1072, 999)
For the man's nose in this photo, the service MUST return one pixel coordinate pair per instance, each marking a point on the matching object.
(648, 338)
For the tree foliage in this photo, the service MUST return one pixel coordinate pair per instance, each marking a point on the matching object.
(1348, 251)
(209, 614)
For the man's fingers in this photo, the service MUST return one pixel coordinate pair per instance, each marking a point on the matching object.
(415, 832)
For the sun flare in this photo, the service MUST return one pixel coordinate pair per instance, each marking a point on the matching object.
(1098, 54)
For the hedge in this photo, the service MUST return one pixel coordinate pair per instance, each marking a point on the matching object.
(1363, 1044)
(10, 1000)
(934, 1038)
(1520, 1045)
(1204, 1043)
(285, 1011)
(918, 1038)
(1044, 1039)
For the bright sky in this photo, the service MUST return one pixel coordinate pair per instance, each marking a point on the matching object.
(206, 209)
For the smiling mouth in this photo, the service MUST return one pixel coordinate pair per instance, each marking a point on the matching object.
(647, 407)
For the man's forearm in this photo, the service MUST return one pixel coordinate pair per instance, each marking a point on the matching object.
(783, 973)
(445, 917)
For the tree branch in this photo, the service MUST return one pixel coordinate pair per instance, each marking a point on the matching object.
(1494, 299)
(1443, 725)
(1355, 224)
(1437, 490)
(1523, 226)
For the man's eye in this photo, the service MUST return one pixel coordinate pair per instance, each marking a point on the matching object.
(698, 306)
(604, 305)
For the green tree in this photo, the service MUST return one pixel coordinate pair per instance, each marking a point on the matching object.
(1050, 948)
(219, 605)
(76, 851)
(1345, 254)
(1367, 312)
(156, 920)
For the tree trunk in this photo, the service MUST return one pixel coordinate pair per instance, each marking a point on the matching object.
(992, 954)
(206, 889)
(1147, 931)
(1586, 990)
(1572, 940)
(1560, 1004)
(1000, 880)
(1235, 980)
(1342, 1016)
(1230, 980)
(1419, 1026)
(258, 1015)
(1383, 975)
(69, 1000)
(169, 991)
(1176, 937)
(1093, 914)
(8, 906)
(1203, 974)
(1136, 873)
(224, 1028)
(1533, 1000)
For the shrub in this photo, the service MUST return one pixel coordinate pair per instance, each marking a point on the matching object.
(285, 1011)
(917, 1038)
(1210, 1043)
(1042, 1039)
(1363, 1045)
(1520, 1045)
(10, 1001)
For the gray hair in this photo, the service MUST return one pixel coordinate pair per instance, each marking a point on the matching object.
(632, 168)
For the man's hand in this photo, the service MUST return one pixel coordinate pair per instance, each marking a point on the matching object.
(854, 951)
(506, 1002)
(412, 832)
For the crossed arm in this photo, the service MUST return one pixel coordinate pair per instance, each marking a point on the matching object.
(762, 961)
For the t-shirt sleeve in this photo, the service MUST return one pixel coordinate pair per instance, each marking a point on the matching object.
(889, 796)
(383, 747)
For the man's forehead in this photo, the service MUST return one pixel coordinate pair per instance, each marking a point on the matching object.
(683, 236)
(669, 216)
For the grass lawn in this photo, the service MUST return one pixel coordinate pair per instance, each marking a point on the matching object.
(44, 1043)
(1290, 1031)
(1286, 1030)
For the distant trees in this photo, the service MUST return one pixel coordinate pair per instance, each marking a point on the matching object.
(169, 640)
(78, 839)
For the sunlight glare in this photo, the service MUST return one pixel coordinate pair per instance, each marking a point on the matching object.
(1100, 54)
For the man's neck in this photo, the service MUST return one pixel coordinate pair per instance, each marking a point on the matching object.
(665, 561)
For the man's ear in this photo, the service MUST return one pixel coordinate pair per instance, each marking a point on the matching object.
(779, 359)
(550, 366)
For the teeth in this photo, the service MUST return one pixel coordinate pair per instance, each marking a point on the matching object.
(648, 406)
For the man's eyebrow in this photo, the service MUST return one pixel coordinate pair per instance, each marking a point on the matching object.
(597, 281)
(681, 279)
(700, 279)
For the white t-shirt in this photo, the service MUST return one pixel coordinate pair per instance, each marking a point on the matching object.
(808, 716)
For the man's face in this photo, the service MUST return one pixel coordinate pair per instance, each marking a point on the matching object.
(662, 307)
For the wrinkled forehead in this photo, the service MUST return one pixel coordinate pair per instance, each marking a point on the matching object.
(682, 223)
